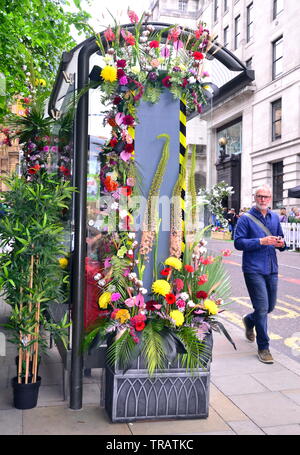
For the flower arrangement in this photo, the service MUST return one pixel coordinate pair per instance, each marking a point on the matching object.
(180, 311)
(213, 198)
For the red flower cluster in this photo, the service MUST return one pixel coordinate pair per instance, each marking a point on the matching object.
(189, 268)
(166, 81)
(138, 322)
(34, 169)
(110, 184)
(126, 191)
(207, 260)
(154, 44)
(201, 295)
(170, 298)
(128, 120)
(202, 279)
(64, 170)
(166, 271)
(198, 55)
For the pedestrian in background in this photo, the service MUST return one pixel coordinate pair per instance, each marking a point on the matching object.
(282, 216)
(258, 233)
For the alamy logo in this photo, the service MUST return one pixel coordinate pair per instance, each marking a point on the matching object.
(2, 345)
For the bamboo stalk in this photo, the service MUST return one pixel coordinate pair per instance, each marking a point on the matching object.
(20, 348)
(36, 344)
(30, 308)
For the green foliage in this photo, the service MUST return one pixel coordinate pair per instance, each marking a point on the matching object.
(152, 93)
(35, 32)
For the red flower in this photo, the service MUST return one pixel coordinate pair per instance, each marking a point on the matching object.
(207, 260)
(117, 100)
(34, 169)
(170, 298)
(109, 34)
(121, 63)
(226, 252)
(113, 141)
(166, 81)
(64, 170)
(198, 55)
(166, 271)
(202, 279)
(138, 322)
(126, 191)
(189, 268)
(184, 82)
(152, 305)
(129, 148)
(201, 295)
(130, 40)
(120, 73)
(128, 120)
(110, 184)
(154, 44)
(179, 284)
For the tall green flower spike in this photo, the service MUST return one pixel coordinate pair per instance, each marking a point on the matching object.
(192, 194)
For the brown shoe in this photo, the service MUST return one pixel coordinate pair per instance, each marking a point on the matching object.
(265, 356)
(249, 333)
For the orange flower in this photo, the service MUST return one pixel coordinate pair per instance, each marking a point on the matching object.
(110, 184)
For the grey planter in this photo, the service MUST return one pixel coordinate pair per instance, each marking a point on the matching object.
(171, 393)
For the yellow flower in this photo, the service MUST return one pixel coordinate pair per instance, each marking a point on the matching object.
(161, 287)
(177, 316)
(174, 262)
(40, 82)
(122, 316)
(210, 306)
(63, 262)
(109, 73)
(104, 300)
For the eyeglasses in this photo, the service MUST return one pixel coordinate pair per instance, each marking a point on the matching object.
(260, 196)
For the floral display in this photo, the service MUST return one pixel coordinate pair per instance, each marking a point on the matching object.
(214, 198)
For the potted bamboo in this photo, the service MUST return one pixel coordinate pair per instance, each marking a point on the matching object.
(32, 270)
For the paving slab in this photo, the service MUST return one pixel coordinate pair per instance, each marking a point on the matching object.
(60, 420)
(6, 398)
(278, 380)
(51, 373)
(293, 395)
(50, 395)
(271, 408)
(11, 422)
(283, 430)
(242, 364)
(196, 426)
(238, 384)
(245, 428)
(224, 407)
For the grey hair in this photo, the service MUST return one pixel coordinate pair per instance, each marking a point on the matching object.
(264, 187)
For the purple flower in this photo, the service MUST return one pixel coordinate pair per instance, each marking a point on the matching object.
(176, 68)
(152, 76)
(123, 80)
(165, 52)
(115, 296)
(46, 148)
(31, 146)
(178, 45)
(54, 149)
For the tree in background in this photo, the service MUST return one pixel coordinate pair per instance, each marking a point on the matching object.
(33, 35)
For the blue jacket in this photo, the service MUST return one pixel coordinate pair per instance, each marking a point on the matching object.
(257, 258)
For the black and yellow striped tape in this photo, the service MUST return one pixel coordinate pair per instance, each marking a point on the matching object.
(182, 152)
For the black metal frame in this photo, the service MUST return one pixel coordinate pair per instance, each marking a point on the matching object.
(87, 48)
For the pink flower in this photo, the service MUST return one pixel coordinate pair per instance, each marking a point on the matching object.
(132, 16)
(165, 52)
(125, 156)
(178, 283)
(128, 120)
(115, 296)
(202, 279)
(139, 300)
(174, 34)
(121, 63)
(180, 303)
(123, 80)
(130, 302)
(119, 118)
(130, 181)
(107, 263)
(109, 34)
(207, 260)
(226, 252)
(155, 63)
(178, 45)
(199, 32)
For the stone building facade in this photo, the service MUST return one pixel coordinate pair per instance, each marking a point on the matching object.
(261, 122)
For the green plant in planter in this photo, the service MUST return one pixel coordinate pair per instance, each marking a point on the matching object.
(31, 272)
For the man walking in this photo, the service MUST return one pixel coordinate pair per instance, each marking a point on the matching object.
(257, 234)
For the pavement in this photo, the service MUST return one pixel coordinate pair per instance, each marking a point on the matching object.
(247, 397)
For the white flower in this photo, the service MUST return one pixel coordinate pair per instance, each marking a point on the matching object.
(192, 80)
(131, 235)
(114, 206)
(111, 288)
(143, 290)
(139, 283)
(184, 296)
(135, 69)
(123, 213)
(101, 282)
(191, 303)
(97, 276)
(91, 222)
(129, 252)
(108, 59)
(202, 250)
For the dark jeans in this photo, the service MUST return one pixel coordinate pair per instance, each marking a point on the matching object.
(262, 291)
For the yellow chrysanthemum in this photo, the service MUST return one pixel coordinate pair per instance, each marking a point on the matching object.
(210, 306)
(63, 262)
(40, 82)
(161, 287)
(177, 316)
(174, 262)
(104, 300)
(123, 316)
(109, 73)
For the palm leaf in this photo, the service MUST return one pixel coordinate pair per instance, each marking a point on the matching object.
(153, 348)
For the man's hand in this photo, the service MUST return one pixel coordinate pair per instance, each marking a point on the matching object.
(278, 242)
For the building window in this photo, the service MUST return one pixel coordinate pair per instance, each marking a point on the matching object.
(249, 63)
(276, 120)
(277, 7)
(232, 133)
(277, 169)
(182, 5)
(237, 31)
(249, 22)
(277, 58)
(225, 6)
(226, 36)
(216, 10)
